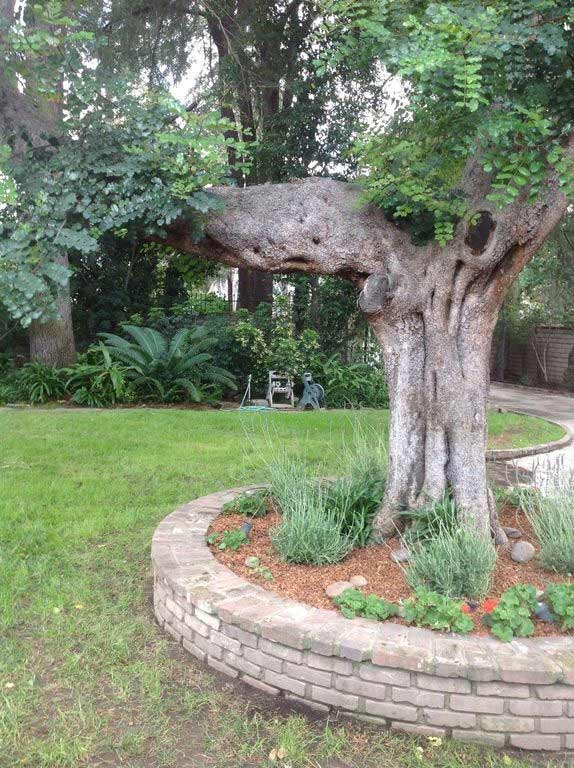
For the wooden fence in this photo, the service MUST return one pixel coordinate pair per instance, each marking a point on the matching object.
(546, 359)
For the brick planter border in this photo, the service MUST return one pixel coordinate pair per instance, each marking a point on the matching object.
(476, 689)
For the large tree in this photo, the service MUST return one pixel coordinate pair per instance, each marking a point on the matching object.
(462, 186)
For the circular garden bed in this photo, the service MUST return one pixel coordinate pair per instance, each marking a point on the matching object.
(470, 687)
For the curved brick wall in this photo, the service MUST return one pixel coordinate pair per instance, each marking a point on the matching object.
(519, 694)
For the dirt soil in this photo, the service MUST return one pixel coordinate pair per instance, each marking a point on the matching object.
(307, 583)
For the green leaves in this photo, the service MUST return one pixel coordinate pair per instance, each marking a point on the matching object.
(511, 617)
(429, 609)
(475, 79)
(561, 599)
(353, 603)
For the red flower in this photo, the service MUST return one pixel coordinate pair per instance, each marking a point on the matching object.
(465, 608)
(489, 605)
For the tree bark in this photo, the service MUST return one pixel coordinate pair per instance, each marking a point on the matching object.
(432, 309)
(52, 341)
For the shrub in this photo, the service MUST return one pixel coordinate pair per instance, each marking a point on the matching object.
(98, 381)
(308, 532)
(354, 603)
(455, 563)
(561, 600)
(552, 518)
(356, 498)
(228, 540)
(428, 522)
(429, 609)
(39, 383)
(169, 371)
(351, 385)
(511, 617)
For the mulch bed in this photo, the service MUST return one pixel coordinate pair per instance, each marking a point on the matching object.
(307, 583)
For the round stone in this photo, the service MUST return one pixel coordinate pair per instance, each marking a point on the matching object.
(400, 555)
(543, 613)
(512, 533)
(359, 581)
(522, 552)
(337, 588)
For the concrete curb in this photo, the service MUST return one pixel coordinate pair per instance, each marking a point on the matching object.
(507, 454)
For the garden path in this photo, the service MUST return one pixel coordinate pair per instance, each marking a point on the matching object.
(550, 405)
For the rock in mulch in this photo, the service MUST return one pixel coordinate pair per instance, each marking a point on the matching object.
(401, 555)
(544, 613)
(337, 588)
(522, 552)
(512, 533)
(359, 581)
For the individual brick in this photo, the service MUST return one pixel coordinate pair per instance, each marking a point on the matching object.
(245, 638)
(196, 625)
(446, 684)
(417, 729)
(281, 651)
(208, 647)
(328, 663)
(450, 719)
(383, 675)
(326, 640)
(418, 698)
(260, 685)
(391, 711)
(207, 618)
(404, 657)
(482, 704)
(549, 692)
(334, 698)
(557, 725)
(535, 741)
(357, 644)
(507, 723)
(174, 608)
(507, 690)
(479, 737)
(360, 687)
(535, 708)
(194, 650)
(291, 633)
(243, 665)
(263, 659)
(531, 670)
(221, 667)
(300, 672)
(225, 642)
(284, 682)
(306, 703)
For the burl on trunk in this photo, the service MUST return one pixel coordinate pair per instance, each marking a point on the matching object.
(432, 308)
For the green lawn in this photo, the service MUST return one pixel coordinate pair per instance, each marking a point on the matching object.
(86, 678)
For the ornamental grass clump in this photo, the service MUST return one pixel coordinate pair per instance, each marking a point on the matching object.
(309, 532)
(552, 518)
(455, 563)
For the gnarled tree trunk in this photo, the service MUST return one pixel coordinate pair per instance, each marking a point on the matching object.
(433, 310)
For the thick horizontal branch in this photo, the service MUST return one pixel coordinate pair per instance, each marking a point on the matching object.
(313, 225)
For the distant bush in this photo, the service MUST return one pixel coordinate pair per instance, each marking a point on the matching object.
(97, 381)
(455, 563)
(351, 385)
(169, 371)
(37, 383)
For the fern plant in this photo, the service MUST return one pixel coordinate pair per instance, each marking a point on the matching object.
(169, 371)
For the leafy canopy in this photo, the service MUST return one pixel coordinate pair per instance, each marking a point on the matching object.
(114, 158)
(487, 80)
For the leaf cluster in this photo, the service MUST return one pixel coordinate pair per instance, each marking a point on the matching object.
(353, 603)
(429, 609)
(512, 616)
(561, 599)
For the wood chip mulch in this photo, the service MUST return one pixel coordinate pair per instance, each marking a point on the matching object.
(307, 583)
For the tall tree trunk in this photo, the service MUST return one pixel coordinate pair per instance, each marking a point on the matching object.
(432, 308)
(52, 341)
(254, 287)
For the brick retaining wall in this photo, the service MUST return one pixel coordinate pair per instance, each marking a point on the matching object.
(476, 689)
